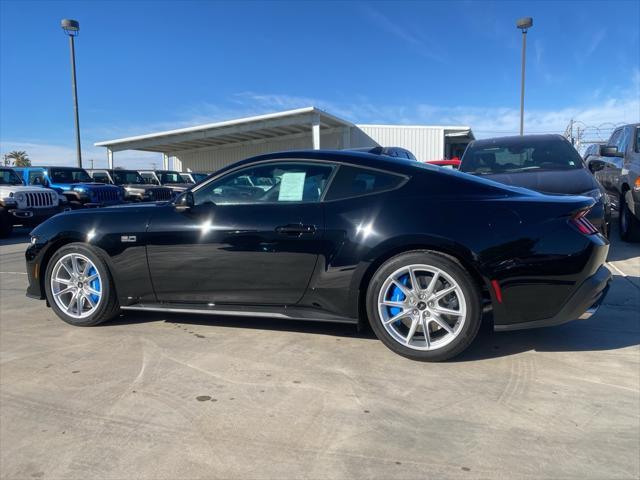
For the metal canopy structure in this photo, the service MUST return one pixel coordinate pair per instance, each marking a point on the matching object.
(309, 120)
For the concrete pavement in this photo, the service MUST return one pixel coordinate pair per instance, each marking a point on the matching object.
(153, 396)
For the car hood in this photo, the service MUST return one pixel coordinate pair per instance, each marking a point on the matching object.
(570, 182)
(5, 190)
(88, 185)
(142, 186)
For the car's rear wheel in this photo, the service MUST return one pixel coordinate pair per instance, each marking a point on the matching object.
(629, 224)
(79, 287)
(424, 305)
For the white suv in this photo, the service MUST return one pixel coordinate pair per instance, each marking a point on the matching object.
(21, 205)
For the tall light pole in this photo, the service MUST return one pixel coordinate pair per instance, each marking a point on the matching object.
(523, 24)
(72, 28)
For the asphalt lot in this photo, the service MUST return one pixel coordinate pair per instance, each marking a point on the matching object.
(158, 396)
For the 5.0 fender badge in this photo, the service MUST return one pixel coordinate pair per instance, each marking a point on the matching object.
(128, 238)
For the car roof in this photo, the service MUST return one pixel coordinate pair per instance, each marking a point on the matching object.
(55, 166)
(356, 158)
(518, 139)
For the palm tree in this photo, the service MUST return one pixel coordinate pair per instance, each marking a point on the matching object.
(20, 158)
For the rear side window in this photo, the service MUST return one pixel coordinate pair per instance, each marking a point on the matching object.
(355, 182)
(36, 178)
(101, 177)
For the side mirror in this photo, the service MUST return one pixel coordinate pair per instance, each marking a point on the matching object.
(595, 166)
(609, 151)
(185, 202)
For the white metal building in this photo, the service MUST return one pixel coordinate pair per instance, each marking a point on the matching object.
(209, 147)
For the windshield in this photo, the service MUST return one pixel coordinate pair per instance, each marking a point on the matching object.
(520, 155)
(69, 175)
(198, 177)
(9, 177)
(170, 177)
(127, 177)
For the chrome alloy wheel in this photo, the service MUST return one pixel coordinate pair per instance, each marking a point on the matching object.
(76, 285)
(422, 307)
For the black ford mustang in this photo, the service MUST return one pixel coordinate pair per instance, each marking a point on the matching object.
(333, 236)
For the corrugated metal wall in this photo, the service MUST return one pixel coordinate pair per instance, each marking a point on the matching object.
(426, 143)
(212, 159)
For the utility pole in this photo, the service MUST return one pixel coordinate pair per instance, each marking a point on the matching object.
(523, 24)
(72, 28)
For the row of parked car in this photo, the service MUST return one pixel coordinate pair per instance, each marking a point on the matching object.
(30, 195)
(610, 174)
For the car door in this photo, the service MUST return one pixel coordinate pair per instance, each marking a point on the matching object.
(242, 244)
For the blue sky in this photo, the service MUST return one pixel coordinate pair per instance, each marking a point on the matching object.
(149, 66)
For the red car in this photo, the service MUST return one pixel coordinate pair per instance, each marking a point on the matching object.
(453, 163)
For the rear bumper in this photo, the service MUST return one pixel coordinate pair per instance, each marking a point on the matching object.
(584, 302)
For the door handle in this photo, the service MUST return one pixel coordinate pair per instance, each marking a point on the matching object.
(296, 229)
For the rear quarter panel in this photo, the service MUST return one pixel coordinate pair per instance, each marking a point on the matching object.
(521, 240)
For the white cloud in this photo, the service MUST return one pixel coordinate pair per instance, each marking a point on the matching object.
(404, 32)
(583, 54)
(42, 153)
(603, 110)
(486, 122)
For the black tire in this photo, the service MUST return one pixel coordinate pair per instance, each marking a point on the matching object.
(629, 224)
(75, 205)
(6, 225)
(453, 268)
(108, 306)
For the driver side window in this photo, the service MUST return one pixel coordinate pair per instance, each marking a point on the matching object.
(271, 183)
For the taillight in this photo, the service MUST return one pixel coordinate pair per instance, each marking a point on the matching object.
(584, 226)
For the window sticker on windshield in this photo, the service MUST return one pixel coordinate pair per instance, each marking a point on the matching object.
(291, 187)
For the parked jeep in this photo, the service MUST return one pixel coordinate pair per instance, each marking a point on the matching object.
(166, 178)
(75, 184)
(135, 188)
(22, 205)
(617, 168)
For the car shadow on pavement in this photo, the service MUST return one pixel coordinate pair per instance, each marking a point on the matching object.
(623, 250)
(17, 236)
(616, 325)
(275, 324)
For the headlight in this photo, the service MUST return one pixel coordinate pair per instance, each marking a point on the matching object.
(596, 194)
(62, 198)
(33, 240)
(20, 197)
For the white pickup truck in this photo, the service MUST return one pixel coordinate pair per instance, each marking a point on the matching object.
(22, 205)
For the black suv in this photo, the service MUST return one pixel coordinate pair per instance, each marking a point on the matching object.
(617, 168)
(135, 188)
(545, 163)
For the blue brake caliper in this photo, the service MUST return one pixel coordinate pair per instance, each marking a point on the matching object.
(95, 284)
(398, 296)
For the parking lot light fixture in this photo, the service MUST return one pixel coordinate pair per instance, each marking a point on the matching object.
(524, 24)
(72, 29)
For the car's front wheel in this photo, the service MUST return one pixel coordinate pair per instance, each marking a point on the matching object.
(424, 306)
(79, 287)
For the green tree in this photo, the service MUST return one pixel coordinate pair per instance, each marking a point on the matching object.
(20, 158)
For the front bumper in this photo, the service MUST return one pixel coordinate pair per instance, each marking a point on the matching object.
(584, 302)
(33, 216)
